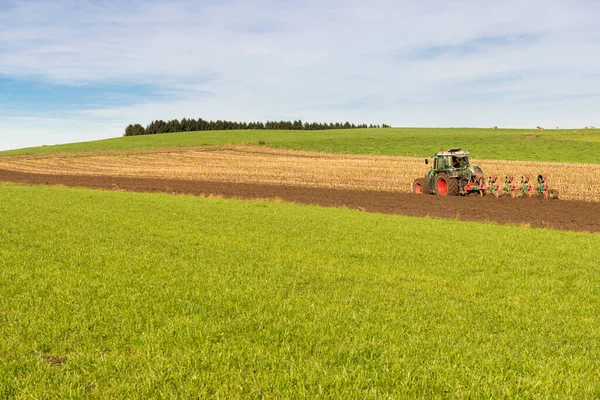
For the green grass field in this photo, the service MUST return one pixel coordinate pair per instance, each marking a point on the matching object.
(123, 295)
(581, 146)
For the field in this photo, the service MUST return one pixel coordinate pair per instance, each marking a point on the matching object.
(256, 164)
(570, 145)
(536, 213)
(191, 291)
(129, 295)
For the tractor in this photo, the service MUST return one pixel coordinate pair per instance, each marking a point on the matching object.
(451, 175)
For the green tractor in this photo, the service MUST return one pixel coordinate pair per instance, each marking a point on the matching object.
(451, 175)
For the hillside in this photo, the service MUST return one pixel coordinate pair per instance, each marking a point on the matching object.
(575, 146)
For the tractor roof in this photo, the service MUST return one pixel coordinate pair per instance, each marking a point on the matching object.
(453, 152)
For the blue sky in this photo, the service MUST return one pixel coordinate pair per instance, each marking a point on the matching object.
(82, 70)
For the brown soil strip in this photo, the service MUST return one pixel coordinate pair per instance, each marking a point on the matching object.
(537, 213)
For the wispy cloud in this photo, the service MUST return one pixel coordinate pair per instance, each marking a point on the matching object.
(484, 44)
(435, 63)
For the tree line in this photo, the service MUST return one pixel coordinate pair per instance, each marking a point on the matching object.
(191, 125)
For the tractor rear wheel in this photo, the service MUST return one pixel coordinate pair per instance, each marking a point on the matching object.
(444, 186)
(420, 186)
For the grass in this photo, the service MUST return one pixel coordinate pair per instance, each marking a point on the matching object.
(582, 146)
(124, 295)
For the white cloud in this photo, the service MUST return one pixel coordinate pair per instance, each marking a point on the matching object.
(316, 60)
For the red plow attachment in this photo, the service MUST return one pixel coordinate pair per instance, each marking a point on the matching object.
(527, 186)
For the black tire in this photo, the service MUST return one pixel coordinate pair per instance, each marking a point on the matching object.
(420, 186)
(443, 181)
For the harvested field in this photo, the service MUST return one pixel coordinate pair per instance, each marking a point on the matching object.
(263, 165)
(537, 213)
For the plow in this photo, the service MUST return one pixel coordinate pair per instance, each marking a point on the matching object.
(453, 175)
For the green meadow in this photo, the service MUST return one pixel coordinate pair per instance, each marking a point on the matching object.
(580, 146)
(125, 295)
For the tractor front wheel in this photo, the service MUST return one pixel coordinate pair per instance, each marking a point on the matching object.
(444, 186)
(420, 186)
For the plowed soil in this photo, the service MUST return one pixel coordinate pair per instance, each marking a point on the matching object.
(537, 213)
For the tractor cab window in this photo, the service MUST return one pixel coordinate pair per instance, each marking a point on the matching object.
(460, 162)
(439, 163)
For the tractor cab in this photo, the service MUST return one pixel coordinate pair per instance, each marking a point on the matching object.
(454, 162)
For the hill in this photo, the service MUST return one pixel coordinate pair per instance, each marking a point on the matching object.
(574, 146)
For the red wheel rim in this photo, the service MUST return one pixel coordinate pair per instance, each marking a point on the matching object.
(418, 189)
(442, 187)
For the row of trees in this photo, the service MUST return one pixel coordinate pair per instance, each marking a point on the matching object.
(190, 125)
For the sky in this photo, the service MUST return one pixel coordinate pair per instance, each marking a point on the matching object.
(77, 70)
